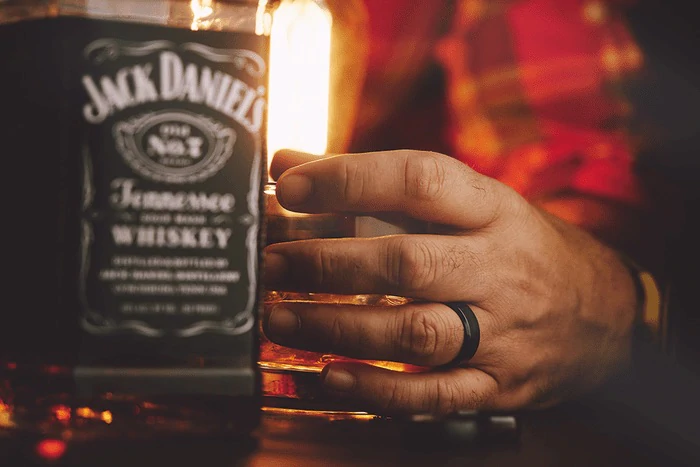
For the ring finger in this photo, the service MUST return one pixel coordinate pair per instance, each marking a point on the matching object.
(424, 334)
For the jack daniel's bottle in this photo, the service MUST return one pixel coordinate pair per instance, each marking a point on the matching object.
(132, 132)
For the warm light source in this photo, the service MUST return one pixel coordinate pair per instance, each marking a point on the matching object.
(299, 86)
(201, 9)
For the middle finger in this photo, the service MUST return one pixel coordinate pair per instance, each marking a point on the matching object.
(430, 267)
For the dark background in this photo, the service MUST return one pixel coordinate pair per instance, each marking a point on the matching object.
(667, 103)
(657, 404)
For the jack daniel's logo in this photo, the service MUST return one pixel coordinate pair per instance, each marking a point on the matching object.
(174, 146)
(172, 167)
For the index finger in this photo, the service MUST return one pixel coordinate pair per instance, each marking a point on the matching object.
(423, 185)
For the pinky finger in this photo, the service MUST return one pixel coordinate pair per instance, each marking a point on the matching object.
(391, 393)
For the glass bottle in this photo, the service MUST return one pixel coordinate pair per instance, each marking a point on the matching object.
(134, 135)
(330, 67)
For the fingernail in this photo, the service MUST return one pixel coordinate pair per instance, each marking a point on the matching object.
(339, 380)
(282, 322)
(293, 190)
(274, 268)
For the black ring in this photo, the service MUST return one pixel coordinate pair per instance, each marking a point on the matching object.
(472, 333)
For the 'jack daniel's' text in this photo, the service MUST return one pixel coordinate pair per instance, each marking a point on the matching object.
(133, 85)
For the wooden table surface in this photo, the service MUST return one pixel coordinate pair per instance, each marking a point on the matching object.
(559, 437)
(553, 437)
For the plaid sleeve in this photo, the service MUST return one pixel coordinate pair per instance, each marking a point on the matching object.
(402, 34)
(534, 95)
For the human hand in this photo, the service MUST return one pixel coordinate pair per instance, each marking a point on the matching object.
(555, 306)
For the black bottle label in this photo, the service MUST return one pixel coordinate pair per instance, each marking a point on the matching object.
(170, 126)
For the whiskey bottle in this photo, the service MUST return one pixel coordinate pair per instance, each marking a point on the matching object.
(133, 132)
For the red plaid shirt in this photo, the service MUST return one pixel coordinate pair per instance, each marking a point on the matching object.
(532, 89)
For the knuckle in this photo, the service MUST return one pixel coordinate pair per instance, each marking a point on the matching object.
(508, 204)
(395, 397)
(413, 264)
(446, 399)
(425, 176)
(325, 264)
(419, 335)
(496, 199)
(337, 334)
(353, 181)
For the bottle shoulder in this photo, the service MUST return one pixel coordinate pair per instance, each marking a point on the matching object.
(230, 15)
